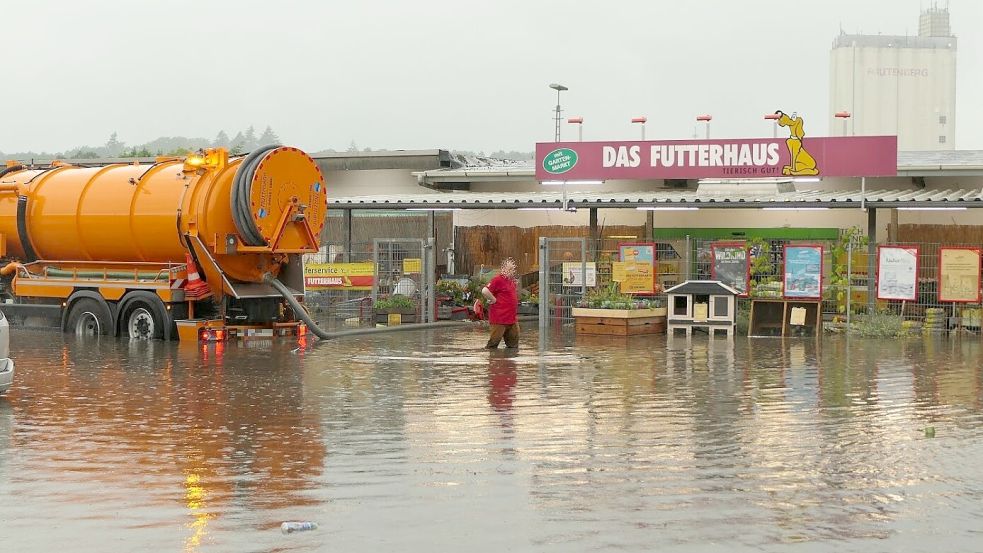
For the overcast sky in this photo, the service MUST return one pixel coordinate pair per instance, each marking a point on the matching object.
(436, 73)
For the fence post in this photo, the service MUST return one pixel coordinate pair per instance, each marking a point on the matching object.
(583, 268)
(871, 259)
(543, 286)
(375, 269)
(430, 251)
(849, 280)
(689, 254)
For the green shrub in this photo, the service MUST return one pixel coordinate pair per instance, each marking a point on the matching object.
(882, 324)
(396, 301)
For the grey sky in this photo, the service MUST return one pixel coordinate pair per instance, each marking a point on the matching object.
(436, 73)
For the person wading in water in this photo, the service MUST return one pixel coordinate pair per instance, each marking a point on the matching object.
(502, 298)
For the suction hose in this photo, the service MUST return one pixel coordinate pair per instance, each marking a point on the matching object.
(325, 335)
(242, 186)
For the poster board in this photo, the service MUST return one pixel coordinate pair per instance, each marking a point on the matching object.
(573, 274)
(640, 253)
(803, 272)
(339, 276)
(731, 265)
(959, 274)
(897, 273)
(633, 277)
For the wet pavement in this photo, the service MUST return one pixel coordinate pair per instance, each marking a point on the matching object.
(420, 441)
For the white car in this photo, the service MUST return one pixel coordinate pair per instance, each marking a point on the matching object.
(6, 363)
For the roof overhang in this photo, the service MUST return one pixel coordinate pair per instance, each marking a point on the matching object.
(803, 199)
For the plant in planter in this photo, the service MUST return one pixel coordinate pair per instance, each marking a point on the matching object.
(606, 310)
(395, 304)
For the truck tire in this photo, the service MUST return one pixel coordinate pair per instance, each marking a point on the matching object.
(89, 317)
(141, 322)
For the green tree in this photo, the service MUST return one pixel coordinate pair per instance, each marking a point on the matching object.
(268, 137)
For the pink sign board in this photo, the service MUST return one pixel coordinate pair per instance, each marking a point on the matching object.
(847, 156)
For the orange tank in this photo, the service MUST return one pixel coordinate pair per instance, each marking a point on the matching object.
(250, 213)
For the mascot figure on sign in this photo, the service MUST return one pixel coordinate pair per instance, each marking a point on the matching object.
(800, 162)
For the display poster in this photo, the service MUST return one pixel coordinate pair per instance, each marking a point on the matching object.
(804, 272)
(897, 273)
(641, 253)
(731, 265)
(632, 277)
(573, 274)
(412, 266)
(959, 275)
(334, 276)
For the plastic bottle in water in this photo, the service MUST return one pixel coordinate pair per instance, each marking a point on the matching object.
(291, 527)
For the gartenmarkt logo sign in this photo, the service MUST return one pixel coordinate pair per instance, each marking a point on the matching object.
(560, 161)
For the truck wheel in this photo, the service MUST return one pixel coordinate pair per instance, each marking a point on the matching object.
(88, 317)
(142, 323)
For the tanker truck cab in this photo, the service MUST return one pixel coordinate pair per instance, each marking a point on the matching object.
(202, 247)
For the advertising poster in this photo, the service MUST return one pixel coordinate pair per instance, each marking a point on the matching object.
(336, 276)
(642, 253)
(573, 274)
(804, 272)
(632, 277)
(412, 266)
(897, 273)
(731, 265)
(959, 275)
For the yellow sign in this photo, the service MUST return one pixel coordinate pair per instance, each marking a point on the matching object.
(332, 276)
(959, 270)
(635, 277)
(412, 266)
(394, 319)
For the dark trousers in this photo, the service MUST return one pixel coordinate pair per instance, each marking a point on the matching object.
(509, 332)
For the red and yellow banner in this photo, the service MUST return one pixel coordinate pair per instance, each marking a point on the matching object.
(339, 276)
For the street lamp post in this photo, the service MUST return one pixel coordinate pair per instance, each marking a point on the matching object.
(706, 118)
(844, 115)
(641, 121)
(774, 118)
(579, 121)
(558, 88)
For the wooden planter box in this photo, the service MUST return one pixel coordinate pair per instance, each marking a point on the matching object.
(407, 315)
(620, 322)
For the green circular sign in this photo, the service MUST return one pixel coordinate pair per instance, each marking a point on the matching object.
(559, 161)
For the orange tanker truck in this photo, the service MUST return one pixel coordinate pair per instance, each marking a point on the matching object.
(201, 247)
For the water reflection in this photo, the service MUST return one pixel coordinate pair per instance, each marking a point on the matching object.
(427, 441)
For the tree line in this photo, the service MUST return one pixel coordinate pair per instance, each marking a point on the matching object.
(243, 141)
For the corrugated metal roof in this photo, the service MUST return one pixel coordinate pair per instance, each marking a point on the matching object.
(971, 198)
(910, 164)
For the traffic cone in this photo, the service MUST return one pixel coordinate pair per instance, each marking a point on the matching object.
(195, 288)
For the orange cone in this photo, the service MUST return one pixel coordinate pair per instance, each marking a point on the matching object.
(195, 288)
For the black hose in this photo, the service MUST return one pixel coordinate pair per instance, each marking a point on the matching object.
(325, 335)
(242, 185)
(6, 170)
(29, 254)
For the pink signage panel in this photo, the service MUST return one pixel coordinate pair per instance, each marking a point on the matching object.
(848, 156)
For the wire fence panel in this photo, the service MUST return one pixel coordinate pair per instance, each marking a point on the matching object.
(569, 269)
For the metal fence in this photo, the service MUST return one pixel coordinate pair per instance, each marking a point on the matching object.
(555, 284)
(404, 267)
(848, 292)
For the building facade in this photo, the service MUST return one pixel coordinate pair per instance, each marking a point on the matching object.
(896, 84)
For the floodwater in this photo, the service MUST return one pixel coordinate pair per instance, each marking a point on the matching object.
(419, 441)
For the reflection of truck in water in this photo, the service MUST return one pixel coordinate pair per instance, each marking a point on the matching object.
(116, 249)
